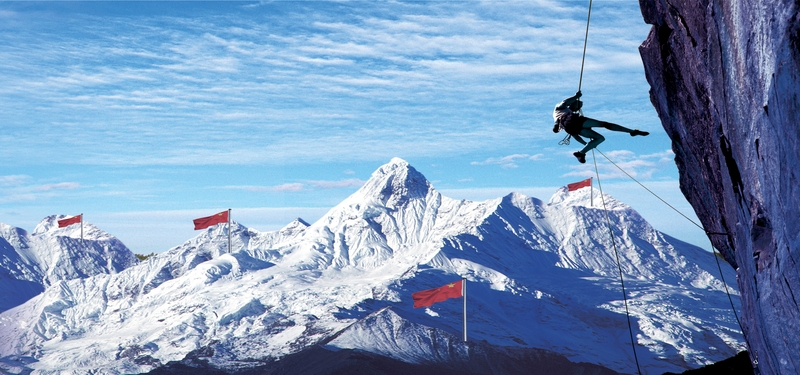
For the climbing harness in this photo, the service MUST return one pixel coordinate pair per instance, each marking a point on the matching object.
(565, 141)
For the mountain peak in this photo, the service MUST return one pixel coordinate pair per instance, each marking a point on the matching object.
(297, 225)
(541, 276)
(397, 161)
(586, 197)
(395, 183)
(49, 225)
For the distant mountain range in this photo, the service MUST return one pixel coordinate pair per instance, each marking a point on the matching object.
(543, 290)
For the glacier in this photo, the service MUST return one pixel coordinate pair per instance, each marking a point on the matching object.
(540, 275)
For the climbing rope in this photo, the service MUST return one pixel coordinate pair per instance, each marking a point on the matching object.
(585, 41)
(565, 141)
(619, 265)
(713, 250)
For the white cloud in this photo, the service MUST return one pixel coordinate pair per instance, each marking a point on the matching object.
(58, 186)
(288, 187)
(348, 183)
(14, 197)
(400, 67)
(440, 82)
(23, 188)
(622, 164)
(14, 180)
(509, 161)
(302, 186)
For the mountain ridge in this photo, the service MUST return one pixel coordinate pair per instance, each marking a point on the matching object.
(33, 261)
(540, 275)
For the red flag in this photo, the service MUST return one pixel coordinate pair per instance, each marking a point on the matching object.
(431, 296)
(580, 184)
(205, 222)
(69, 221)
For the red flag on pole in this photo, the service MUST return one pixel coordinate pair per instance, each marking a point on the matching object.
(205, 222)
(431, 296)
(580, 184)
(69, 221)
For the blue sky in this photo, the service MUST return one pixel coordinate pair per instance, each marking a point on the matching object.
(146, 115)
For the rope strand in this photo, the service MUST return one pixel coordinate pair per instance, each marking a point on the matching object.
(619, 265)
(651, 192)
(585, 42)
(713, 250)
(565, 141)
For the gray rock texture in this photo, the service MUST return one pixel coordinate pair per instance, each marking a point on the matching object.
(725, 79)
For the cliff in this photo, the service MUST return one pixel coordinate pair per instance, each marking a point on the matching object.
(725, 78)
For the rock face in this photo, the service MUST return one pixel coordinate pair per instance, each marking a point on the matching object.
(725, 78)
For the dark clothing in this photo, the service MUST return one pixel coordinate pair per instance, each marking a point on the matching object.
(567, 117)
(572, 123)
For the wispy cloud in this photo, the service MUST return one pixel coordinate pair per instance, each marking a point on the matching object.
(14, 180)
(152, 89)
(509, 161)
(617, 163)
(348, 183)
(23, 188)
(302, 186)
(290, 187)
(58, 186)
(207, 89)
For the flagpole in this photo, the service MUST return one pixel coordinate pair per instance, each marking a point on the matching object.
(82, 242)
(229, 231)
(591, 192)
(464, 293)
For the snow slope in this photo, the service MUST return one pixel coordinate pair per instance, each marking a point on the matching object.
(31, 262)
(540, 275)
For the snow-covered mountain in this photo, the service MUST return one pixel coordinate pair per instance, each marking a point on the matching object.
(540, 275)
(31, 262)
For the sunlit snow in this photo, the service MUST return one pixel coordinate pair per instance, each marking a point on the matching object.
(539, 275)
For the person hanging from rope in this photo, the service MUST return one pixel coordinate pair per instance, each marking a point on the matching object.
(568, 117)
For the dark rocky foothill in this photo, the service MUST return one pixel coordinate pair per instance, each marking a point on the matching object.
(484, 359)
(736, 365)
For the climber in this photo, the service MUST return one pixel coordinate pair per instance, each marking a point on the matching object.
(567, 116)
